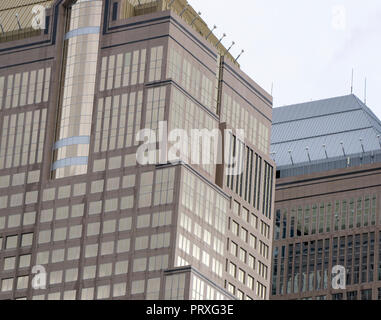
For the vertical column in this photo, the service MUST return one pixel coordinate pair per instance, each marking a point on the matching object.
(71, 149)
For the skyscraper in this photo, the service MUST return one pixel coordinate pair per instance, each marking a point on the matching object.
(84, 87)
(327, 235)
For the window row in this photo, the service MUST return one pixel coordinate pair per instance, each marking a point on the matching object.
(199, 256)
(243, 234)
(239, 117)
(233, 290)
(24, 88)
(240, 275)
(17, 220)
(116, 162)
(18, 179)
(249, 176)
(304, 267)
(201, 290)
(244, 214)
(22, 139)
(326, 217)
(18, 199)
(125, 69)
(204, 236)
(204, 202)
(200, 82)
(186, 115)
(100, 292)
(118, 121)
(16, 241)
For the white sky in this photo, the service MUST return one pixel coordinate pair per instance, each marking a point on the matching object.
(306, 48)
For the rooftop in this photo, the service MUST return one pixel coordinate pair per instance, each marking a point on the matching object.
(185, 11)
(12, 28)
(322, 131)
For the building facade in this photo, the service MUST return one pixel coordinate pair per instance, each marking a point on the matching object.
(327, 202)
(79, 82)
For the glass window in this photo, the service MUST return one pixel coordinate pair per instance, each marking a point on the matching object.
(6, 285)
(60, 234)
(44, 236)
(93, 229)
(24, 261)
(91, 250)
(77, 210)
(75, 232)
(11, 242)
(87, 294)
(105, 270)
(43, 257)
(103, 292)
(127, 202)
(111, 205)
(119, 289)
(115, 163)
(121, 267)
(141, 243)
(58, 255)
(107, 248)
(9, 263)
(97, 186)
(366, 294)
(4, 181)
(73, 253)
(109, 226)
(128, 181)
(49, 194)
(18, 179)
(70, 295)
(31, 197)
(16, 200)
(71, 275)
(137, 287)
(62, 213)
(79, 189)
(29, 218)
(145, 193)
(140, 265)
(95, 207)
(125, 224)
(99, 165)
(89, 272)
(22, 282)
(55, 277)
(113, 184)
(33, 176)
(14, 220)
(143, 221)
(123, 246)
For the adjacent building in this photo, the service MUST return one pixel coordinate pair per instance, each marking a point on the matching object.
(327, 202)
(78, 83)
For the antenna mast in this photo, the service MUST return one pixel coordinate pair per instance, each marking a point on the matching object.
(352, 81)
(365, 91)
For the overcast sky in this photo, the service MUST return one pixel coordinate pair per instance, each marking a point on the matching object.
(306, 48)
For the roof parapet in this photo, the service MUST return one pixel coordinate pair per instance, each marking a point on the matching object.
(182, 8)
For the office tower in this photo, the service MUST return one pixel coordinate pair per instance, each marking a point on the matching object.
(78, 83)
(328, 192)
